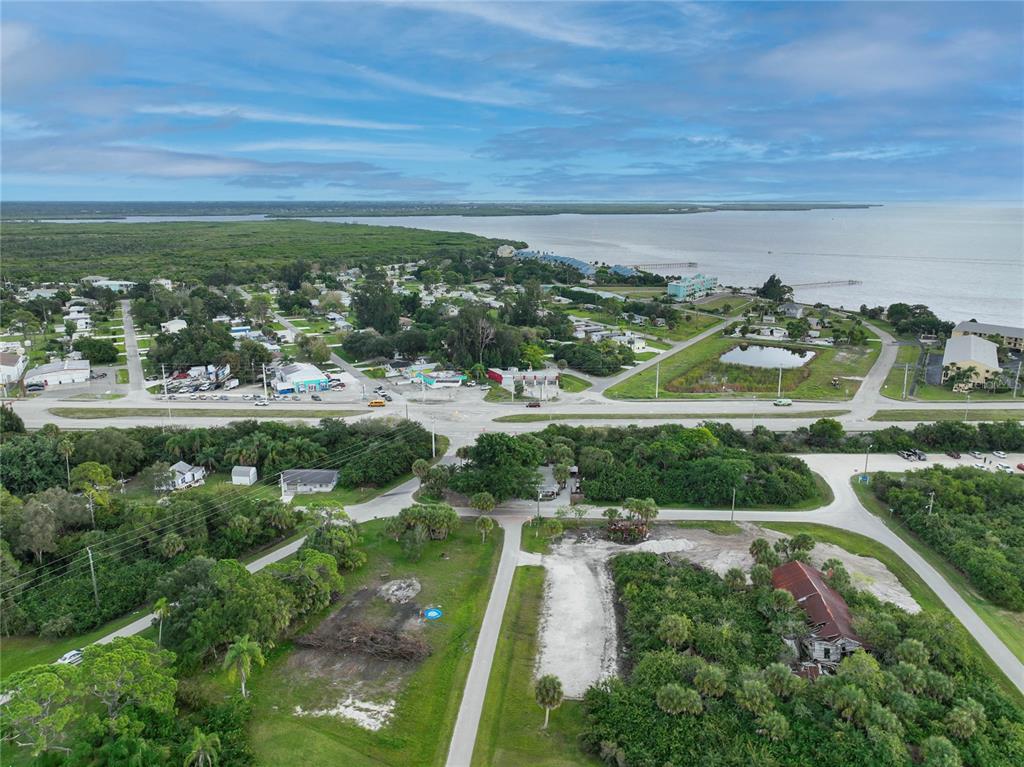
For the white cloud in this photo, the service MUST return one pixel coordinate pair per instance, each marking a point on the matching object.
(409, 151)
(492, 94)
(256, 114)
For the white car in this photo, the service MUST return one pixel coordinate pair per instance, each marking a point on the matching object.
(981, 466)
(1005, 467)
(70, 658)
(261, 403)
(246, 396)
(999, 454)
(974, 454)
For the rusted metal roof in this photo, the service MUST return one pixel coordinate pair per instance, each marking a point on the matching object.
(826, 610)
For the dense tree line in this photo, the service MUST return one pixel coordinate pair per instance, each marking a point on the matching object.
(975, 520)
(604, 358)
(47, 528)
(706, 686)
(675, 465)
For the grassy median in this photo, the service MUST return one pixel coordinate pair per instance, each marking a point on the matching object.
(951, 414)
(198, 412)
(783, 413)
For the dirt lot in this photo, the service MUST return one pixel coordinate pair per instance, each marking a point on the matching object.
(354, 685)
(578, 637)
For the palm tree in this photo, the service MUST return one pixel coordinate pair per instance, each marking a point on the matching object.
(66, 448)
(205, 749)
(674, 630)
(484, 525)
(240, 656)
(549, 694)
(162, 609)
(675, 699)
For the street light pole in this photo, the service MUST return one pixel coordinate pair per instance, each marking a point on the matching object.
(967, 406)
(780, 382)
(657, 378)
(866, 454)
(732, 514)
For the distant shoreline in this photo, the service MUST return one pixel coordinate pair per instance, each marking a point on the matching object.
(38, 212)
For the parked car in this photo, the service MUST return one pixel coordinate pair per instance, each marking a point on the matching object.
(386, 396)
(974, 454)
(953, 454)
(904, 454)
(999, 454)
(1020, 466)
(919, 455)
(193, 396)
(70, 658)
(246, 396)
(317, 398)
(533, 404)
(1005, 467)
(981, 466)
(172, 396)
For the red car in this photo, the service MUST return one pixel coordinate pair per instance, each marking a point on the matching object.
(1020, 466)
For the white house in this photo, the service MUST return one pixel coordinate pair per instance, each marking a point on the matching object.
(12, 365)
(173, 326)
(59, 373)
(302, 481)
(79, 317)
(183, 475)
(243, 475)
(637, 343)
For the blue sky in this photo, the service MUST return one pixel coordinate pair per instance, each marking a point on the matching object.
(512, 101)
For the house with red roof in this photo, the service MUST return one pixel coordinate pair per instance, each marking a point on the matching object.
(831, 636)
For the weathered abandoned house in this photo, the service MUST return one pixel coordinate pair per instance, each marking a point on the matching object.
(831, 636)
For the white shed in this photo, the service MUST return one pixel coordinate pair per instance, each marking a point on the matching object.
(243, 475)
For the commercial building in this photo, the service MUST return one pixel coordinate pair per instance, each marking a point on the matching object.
(12, 365)
(538, 384)
(1013, 337)
(300, 377)
(692, 287)
(831, 637)
(59, 373)
(302, 481)
(970, 351)
(439, 379)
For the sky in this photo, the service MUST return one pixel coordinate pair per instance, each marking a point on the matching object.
(498, 101)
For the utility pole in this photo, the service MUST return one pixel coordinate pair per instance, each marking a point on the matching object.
(657, 378)
(780, 382)
(92, 570)
(906, 369)
(264, 381)
(967, 406)
(753, 411)
(931, 502)
(732, 514)
(1016, 380)
(433, 439)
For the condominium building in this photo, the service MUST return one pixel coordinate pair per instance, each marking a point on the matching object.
(692, 287)
(1013, 337)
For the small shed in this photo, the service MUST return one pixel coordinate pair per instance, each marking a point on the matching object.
(243, 475)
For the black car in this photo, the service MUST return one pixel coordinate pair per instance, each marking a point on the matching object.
(953, 454)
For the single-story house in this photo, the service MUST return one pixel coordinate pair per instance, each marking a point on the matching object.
(12, 365)
(118, 286)
(302, 481)
(185, 475)
(300, 377)
(79, 318)
(792, 311)
(637, 343)
(243, 475)
(173, 326)
(970, 351)
(59, 373)
(831, 636)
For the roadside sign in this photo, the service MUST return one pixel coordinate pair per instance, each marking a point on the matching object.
(863, 479)
(432, 613)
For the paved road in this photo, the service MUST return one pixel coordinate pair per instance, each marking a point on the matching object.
(136, 378)
(460, 753)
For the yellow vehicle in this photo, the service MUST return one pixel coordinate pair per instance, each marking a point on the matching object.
(378, 403)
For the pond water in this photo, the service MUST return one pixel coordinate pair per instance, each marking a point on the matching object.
(756, 356)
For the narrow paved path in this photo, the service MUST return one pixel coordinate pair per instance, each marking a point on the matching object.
(460, 753)
(136, 378)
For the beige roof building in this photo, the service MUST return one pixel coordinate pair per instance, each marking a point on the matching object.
(969, 351)
(1013, 337)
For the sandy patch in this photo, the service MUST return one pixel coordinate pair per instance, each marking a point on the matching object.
(578, 637)
(366, 714)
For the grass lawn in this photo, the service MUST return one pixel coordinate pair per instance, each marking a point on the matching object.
(781, 413)
(686, 372)
(374, 373)
(510, 732)
(570, 383)
(89, 396)
(952, 414)
(636, 291)
(122, 375)
(919, 590)
(196, 412)
(932, 393)
(893, 386)
(1005, 624)
(659, 345)
(20, 652)
(644, 356)
(428, 700)
(496, 393)
(736, 304)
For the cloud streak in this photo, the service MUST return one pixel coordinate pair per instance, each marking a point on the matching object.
(256, 114)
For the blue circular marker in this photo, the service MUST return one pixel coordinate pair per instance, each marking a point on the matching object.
(432, 613)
